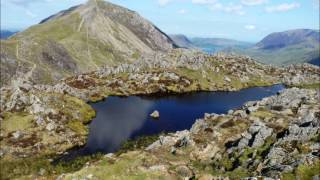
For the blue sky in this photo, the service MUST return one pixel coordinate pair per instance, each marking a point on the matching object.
(247, 20)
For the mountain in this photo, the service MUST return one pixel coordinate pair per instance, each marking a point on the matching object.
(4, 34)
(288, 38)
(213, 45)
(80, 39)
(288, 47)
(182, 41)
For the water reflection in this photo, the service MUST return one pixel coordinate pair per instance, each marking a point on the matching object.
(119, 119)
(115, 122)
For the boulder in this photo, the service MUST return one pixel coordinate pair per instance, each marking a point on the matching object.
(155, 114)
(17, 135)
(227, 79)
(184, 172)
(51, 126)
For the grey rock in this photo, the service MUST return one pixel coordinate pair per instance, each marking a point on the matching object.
(184, 171)
(17, 135)
(51, 126)
(155, 114)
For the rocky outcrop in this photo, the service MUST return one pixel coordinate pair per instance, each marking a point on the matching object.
(265, 142)
(43, 122)
(53, 117)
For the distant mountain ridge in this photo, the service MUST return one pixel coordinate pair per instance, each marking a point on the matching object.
(4, 34)
(292, 37)
(285, 48)
(80, 39)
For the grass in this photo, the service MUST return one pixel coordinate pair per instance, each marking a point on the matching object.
(125, 168)
(303, 172)
(196, 76)
(138, 143)
(16, 121)
(15, 168)
(262, 114)
(308, 86)
(78, 127)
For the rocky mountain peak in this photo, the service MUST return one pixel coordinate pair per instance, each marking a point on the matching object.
(80, 39)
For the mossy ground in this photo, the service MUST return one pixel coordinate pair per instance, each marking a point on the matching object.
(303, 172)
(77, 114)
(126, 167)
(16, 121)
(307, 86)
(29, 168)
(138, 143)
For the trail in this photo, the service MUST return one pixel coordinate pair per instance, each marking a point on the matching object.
(80, 25)
(28, 75)
(88, 49)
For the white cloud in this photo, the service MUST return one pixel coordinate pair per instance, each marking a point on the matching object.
(182, 11)
(229, 8)
(282, 7)
(253, 2)
(204, 1)
(250, 27)
(164, 2)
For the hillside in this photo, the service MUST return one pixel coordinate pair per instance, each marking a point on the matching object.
(213, 45)
(182, 41)
(80, 39)
(284, 48)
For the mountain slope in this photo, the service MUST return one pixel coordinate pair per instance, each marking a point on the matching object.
(287, 38)
(284, 48)
(80, 39)
(213, 45)
(182, 41)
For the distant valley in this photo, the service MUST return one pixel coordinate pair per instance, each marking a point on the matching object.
(212, 45)
(282, 48)
(4, 34)
(209, 45)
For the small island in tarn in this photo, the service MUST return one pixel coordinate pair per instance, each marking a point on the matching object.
(155, 114)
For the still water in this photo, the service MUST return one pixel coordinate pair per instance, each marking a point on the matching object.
(121, 118)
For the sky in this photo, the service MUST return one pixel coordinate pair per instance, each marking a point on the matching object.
(246, 20)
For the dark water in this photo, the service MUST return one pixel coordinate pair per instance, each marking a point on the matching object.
(315, 61)
(119, 119)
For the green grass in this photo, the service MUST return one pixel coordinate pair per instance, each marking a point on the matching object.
(78, 127)
(15, 168)
(289, 55)
(124, 168)
(308, 86)
(138, 143)
(16, 121)
(303, 172)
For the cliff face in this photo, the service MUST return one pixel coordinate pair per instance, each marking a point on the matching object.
(80, 39)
